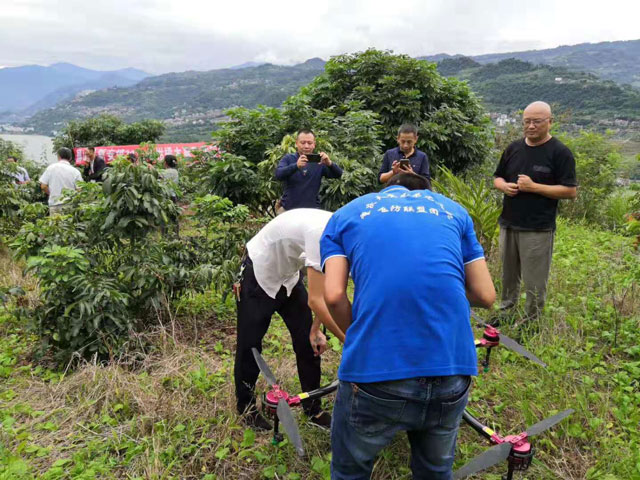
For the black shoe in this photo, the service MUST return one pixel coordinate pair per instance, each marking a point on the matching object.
(321, 419)
(255, 420)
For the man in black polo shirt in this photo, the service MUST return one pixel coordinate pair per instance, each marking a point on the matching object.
(534, 173)
(302, 178)
(406, 149)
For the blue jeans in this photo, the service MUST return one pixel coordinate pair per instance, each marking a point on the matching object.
(366, 417)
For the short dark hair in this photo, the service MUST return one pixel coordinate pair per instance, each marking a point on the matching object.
(170, 160)
(412, 181)
(408, 128)
(132, 157)
(93, 149)
(65, 153)
(15, 159)
(305, 130)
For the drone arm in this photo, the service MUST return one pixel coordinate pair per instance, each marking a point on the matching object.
(313, 394)
(482, 429)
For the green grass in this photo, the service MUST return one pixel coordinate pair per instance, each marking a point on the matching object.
(171, 415)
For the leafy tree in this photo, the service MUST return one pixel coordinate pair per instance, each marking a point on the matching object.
(18, 203)
(355, 108)
(247, 174)
(479, 198)
(107, 130)
(136, 200)
(454, 130)
(9, 148)
(597, 159)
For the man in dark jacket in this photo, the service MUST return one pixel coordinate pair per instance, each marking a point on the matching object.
(301, 177)
(94, 169)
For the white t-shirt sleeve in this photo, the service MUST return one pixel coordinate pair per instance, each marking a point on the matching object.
(44, 178)
(312, 249)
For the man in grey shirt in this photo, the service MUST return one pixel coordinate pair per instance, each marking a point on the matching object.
(58, 176)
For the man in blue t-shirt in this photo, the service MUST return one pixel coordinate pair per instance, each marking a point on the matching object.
(302, 177)
(409, 352)
(405, 157)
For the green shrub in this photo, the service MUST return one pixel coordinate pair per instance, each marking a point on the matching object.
(82, 311)
(136, 200)
(14, 197)
(617, 208)
(103, 269)
(479, 199)
(597, 159)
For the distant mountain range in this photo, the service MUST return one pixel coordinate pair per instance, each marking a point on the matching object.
(511, 84)
(192, 102)
(28, 89)
(618, 61)
(189, 102)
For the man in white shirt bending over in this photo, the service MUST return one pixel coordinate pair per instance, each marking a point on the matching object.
(271, 282)
(58, 176)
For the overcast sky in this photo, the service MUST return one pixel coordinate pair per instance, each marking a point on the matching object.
(176, 35)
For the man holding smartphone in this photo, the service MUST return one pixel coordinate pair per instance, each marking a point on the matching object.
(302, 173)
(405, 157)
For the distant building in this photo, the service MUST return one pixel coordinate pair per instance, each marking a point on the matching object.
(558, 79)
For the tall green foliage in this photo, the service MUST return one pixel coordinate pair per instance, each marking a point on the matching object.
(136, 200)
(18, 203)
(247, 175)
(597, 159)
(108, 130)
(355, 108)
(454, 130)
(479, 199)
(103, 269)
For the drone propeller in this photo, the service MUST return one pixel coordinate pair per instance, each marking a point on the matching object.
(496, 454)
(264, 368)
(283, 411)
(501, 451)
(289, 424)
(548, 423)
(511, 344)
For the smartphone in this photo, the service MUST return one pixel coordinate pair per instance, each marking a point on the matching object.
(313, 157)
(404, 162)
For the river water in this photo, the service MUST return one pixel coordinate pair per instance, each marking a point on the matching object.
(35, 147)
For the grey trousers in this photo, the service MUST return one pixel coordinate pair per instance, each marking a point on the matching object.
(526, 256)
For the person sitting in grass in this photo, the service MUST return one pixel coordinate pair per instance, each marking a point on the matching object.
(271, 282)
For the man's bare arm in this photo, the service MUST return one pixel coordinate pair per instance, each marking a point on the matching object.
(318, 305)
(336, 276)
(557, 192)
(478, 284)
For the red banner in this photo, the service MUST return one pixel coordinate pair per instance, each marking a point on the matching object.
(110, 152)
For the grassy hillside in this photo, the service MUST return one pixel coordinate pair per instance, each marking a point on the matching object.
(618, 61)
(170, 413)
(511, 85)
(189, 102)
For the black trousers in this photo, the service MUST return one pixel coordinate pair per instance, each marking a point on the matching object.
(255, 309)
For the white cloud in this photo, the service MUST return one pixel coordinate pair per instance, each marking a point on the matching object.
(175, 35)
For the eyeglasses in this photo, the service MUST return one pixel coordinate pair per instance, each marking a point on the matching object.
(535, 121)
